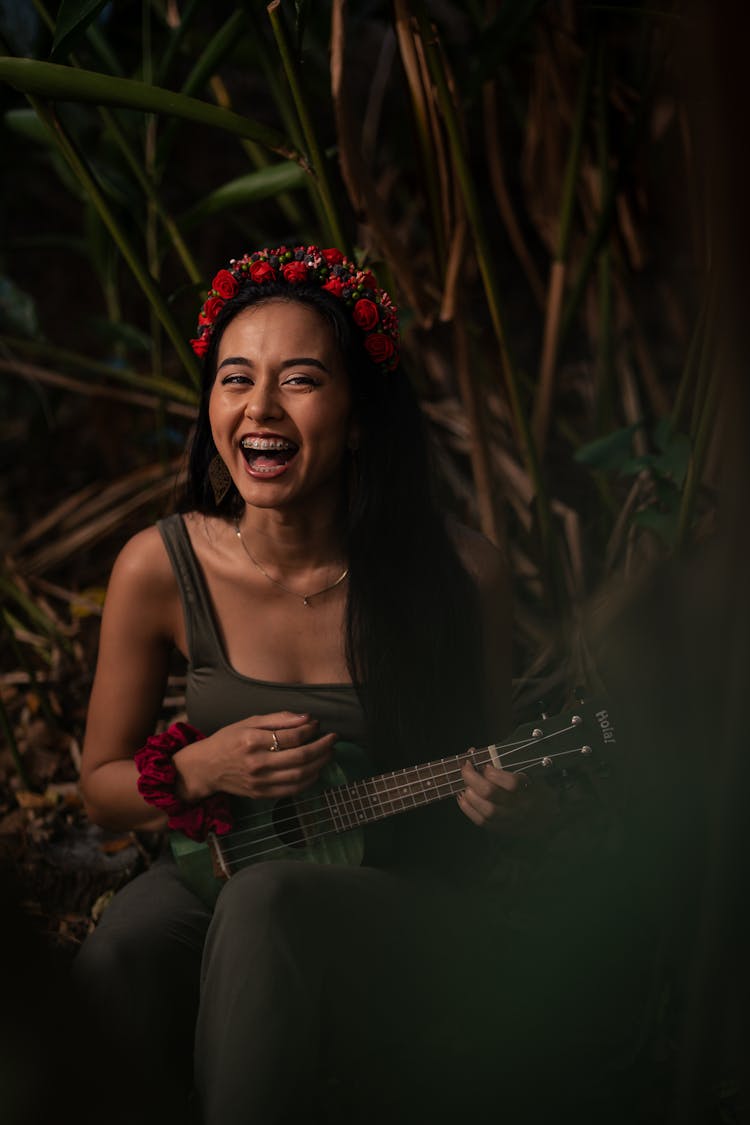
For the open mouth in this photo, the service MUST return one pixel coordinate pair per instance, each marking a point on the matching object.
(267, 455)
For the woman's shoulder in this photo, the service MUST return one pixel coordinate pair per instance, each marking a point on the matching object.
(144, 559)
(486, 564)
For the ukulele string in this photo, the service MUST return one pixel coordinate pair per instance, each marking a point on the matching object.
(281, 847)
(482, 756)
(329, 822)
(314, 804)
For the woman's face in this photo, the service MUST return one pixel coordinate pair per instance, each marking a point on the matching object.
(280, 406)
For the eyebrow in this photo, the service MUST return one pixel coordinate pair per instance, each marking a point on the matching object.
(305, 361)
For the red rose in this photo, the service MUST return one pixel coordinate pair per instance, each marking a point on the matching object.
(294, 272)
(368, 280)
(365, 314)
(333, 257)
(200, 346)
(211, 309)
(261, 272)
(380, 348)
(225, 284)
(335, 286)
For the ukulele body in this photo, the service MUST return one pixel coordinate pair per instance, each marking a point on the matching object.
(275, 829)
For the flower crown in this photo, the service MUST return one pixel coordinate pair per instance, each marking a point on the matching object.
(371, 308)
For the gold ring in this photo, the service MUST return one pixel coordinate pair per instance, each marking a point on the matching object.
(274, 742)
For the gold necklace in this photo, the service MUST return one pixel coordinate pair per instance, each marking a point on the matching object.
(304, 598)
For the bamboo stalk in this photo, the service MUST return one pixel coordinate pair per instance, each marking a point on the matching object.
(54, 379)
(7, 728)
(420, 117)
(258, 157)
(542, 411)
(702, 432)
(335, 229)
(692, 359)
(491, 287)
(164, 387)
(605, 217)
(489, 518)
(49, 627)
(23, 660)
(502, 195)
(358, 181)
(147, 185)
(79, 168)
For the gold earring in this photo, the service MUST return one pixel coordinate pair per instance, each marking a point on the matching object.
(221, 481)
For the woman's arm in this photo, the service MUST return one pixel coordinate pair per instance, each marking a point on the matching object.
(139, 626)
(138, 629)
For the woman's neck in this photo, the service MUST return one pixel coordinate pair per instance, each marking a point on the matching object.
(299, 540)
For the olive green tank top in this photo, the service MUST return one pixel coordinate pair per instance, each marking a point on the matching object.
(216, 694)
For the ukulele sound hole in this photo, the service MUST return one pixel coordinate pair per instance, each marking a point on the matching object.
(286, 824)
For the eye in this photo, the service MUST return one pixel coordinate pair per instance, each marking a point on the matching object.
(299, 380)
(237, 378)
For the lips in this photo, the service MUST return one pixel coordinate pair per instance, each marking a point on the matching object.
(267, 454)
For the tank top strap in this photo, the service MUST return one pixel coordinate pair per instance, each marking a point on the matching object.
(203, 645)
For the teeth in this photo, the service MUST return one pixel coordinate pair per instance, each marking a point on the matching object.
(266, 443)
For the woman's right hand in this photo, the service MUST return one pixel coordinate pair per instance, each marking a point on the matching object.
(242, 758)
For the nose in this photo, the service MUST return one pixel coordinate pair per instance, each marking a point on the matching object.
(262, 402)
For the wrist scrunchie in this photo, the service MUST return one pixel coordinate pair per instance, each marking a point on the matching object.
(157, 782)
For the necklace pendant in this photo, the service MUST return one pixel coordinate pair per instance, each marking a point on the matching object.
(306, 602)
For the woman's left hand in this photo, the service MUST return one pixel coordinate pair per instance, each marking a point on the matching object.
(498, 800)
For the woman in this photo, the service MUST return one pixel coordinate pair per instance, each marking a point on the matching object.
(318, 595)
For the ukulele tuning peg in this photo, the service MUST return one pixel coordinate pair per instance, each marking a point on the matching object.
(579, 691)
(541, 704)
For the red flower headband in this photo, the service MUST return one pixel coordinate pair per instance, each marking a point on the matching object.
(371, 308)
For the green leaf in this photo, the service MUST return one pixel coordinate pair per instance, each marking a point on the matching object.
(266, 182)
(609, 452)
(663, 524)
(133, 338)
(634, 465)
(25, 123)
(17, 309)
(64, 83)
(72, 20)
(674, 461)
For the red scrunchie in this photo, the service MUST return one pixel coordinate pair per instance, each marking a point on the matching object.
(157, 782)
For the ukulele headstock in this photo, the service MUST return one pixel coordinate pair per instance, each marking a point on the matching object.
(582, 734)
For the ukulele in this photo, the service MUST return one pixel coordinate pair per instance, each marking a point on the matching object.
(327, 823)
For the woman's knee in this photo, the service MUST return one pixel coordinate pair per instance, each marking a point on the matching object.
(263, 893)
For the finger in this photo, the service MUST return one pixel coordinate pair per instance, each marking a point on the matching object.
(468, 810)
(477, 783)
(483, 808)
(279, 720)
(298, 756)
(510, 782)
(287, 781)
(286, 738)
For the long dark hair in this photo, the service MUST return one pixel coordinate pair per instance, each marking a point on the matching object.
(412, 628)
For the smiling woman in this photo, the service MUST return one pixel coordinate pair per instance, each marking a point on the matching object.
(321, 599)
